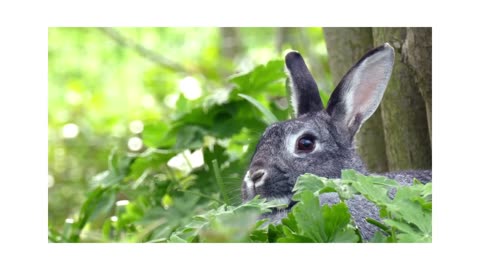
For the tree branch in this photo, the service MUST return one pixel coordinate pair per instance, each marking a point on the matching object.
(147, 53)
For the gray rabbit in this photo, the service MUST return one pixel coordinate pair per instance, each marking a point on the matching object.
(321, 140)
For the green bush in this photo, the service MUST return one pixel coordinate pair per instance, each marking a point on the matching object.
(406, 218)
(140, 198)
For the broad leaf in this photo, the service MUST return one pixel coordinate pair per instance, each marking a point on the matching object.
(323, 223)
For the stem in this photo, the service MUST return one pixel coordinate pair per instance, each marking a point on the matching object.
(378, 224)
(394, 234)
(187, 160)
(202, 195)
(147, 53)
(218, 177)
(140, 179)
(111, 157)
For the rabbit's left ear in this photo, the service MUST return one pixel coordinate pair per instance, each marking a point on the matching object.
(360, 91)
(304, 90)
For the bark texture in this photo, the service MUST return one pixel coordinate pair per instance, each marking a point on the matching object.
(345, 47)
(418, 51)
(403, 108)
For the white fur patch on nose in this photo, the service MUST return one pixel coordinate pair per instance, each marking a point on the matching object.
(248, 181)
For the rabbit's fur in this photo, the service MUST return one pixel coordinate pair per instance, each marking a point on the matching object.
(321, 140)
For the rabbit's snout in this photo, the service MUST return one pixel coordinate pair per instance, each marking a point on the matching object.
(253, 183)
(258, 177)
(255, 178)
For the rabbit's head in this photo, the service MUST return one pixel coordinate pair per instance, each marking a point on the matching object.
(317, 140)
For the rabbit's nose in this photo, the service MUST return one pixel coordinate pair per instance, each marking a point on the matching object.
(258, 177)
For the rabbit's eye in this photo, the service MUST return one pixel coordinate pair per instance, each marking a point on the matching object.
(306, 144)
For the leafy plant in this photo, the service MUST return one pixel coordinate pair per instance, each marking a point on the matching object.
(407, 215)
(160, 197)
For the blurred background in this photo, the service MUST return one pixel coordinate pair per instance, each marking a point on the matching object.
(151, 126)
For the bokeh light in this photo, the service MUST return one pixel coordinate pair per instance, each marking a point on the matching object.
(136, 127)
(122, 202)
(70, 131)
(135, 144)
(190, 87)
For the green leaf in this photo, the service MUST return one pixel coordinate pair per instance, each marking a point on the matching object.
(307, 182)
(230, 226)
(99, 201)
(259, 236)
(176, 239)
(290, 222)
(346, 236)
(427, 190)
(269, 117)
(412, 212)
(154, 135)
(274, 233)
(261, 77)
(401, 226)
(189, 137)
(103, 204)
(349, 175)
(295, 238)
(375, 193)
(319, 185)
(226, 223)
(378, 237)
(147, 161)
(409, 213)
(410, 238)
(323, 223)
(182, 105)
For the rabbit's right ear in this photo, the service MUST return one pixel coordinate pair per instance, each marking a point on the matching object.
(304, 90)
(360, 91)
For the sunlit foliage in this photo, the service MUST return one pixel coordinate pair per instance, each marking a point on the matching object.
(151, 126)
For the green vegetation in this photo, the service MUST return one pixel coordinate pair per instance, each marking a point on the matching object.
(407, 218)
(150, 126)
(151, 129)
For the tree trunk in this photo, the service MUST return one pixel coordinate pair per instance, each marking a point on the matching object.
(345, 47)
(403, 108)
(419, 57)
(231, 44)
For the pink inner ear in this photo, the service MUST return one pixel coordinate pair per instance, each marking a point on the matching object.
(365, 97)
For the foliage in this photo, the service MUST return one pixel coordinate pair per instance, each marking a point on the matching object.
(407, 216)
(191, 150)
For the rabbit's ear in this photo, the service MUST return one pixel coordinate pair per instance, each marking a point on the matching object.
(305, 97)
(360, 91)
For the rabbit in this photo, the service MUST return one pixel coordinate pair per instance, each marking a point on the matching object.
(320, 140)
